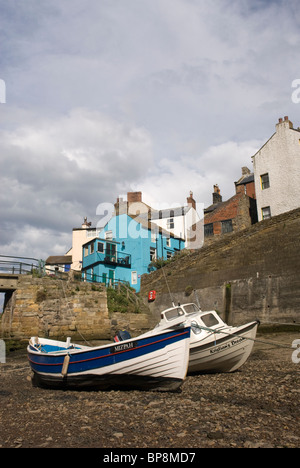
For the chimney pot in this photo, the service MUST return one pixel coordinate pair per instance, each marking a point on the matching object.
(286, 118)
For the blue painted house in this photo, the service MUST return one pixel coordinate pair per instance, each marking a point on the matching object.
(124, 249)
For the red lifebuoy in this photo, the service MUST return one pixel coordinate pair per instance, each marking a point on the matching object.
(151, 296)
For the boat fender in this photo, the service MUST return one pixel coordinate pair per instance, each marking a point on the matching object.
(65, 366)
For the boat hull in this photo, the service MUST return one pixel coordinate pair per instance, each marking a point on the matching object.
(157, 362)
(107, 382)
(223, 352)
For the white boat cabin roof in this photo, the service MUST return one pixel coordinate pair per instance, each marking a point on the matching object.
(209, 319)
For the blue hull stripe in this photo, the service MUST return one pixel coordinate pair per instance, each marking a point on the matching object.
(86, 360)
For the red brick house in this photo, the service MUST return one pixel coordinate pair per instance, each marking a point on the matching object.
(235, 214)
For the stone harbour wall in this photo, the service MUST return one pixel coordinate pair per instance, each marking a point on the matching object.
(56, 309)
(252, 274)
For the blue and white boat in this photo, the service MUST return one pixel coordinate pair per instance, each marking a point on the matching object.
(157, 360)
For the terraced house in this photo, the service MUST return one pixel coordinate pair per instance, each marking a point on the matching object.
(124, 249)
(277, 171)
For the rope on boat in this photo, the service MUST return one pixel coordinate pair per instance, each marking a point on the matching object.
(256, 340)
(294, 324)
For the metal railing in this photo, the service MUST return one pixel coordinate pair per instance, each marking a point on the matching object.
(20, 265)
(11, 265)
(108, 257)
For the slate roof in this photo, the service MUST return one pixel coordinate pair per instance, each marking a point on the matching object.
(59, 260)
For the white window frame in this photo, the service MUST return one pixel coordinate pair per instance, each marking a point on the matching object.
(134, 277)
(109, 235)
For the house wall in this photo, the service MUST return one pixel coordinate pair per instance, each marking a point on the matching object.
(280, 158)
(236, 208)
(188, 226)
(179, 228)
(79, 237)
(131, 239)
(247, 189)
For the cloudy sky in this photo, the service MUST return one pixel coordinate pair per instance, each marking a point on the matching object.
(109, 96)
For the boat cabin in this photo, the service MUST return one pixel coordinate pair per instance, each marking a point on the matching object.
(199, 320)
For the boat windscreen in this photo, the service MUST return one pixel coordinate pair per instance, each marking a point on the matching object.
(210, 320)
(172, 314)
(190, 308)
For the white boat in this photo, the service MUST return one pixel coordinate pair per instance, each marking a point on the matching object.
(156, 360)
(214, 346)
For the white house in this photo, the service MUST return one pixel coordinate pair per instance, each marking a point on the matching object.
(277, 171)
(79, 237)
(185, 222)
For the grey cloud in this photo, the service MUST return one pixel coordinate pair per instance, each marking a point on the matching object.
(103, 97)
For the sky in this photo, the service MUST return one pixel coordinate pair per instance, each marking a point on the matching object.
(104, 97)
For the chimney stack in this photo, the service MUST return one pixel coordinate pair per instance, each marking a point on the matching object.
(85, 224)
(217, 197)
(190, 201)
(134, 197)
(284, 121)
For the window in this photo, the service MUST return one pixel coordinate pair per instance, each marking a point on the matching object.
(265, 181)
(191, 308)
(227, 226)
(100, 247)
(86, 250)
(152, 254)
(109, 235)
(170, 223)
(266, 212)
(133, 277)
(208, 230)
(173, 314)
(168, 242)
(92, 248)
(209, 320)
(169, 255)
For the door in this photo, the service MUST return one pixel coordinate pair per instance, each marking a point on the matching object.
(111, 277)
(104, 278)
(111, 253)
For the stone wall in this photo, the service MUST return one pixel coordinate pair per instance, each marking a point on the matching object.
(248, 275)
(54, 308)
